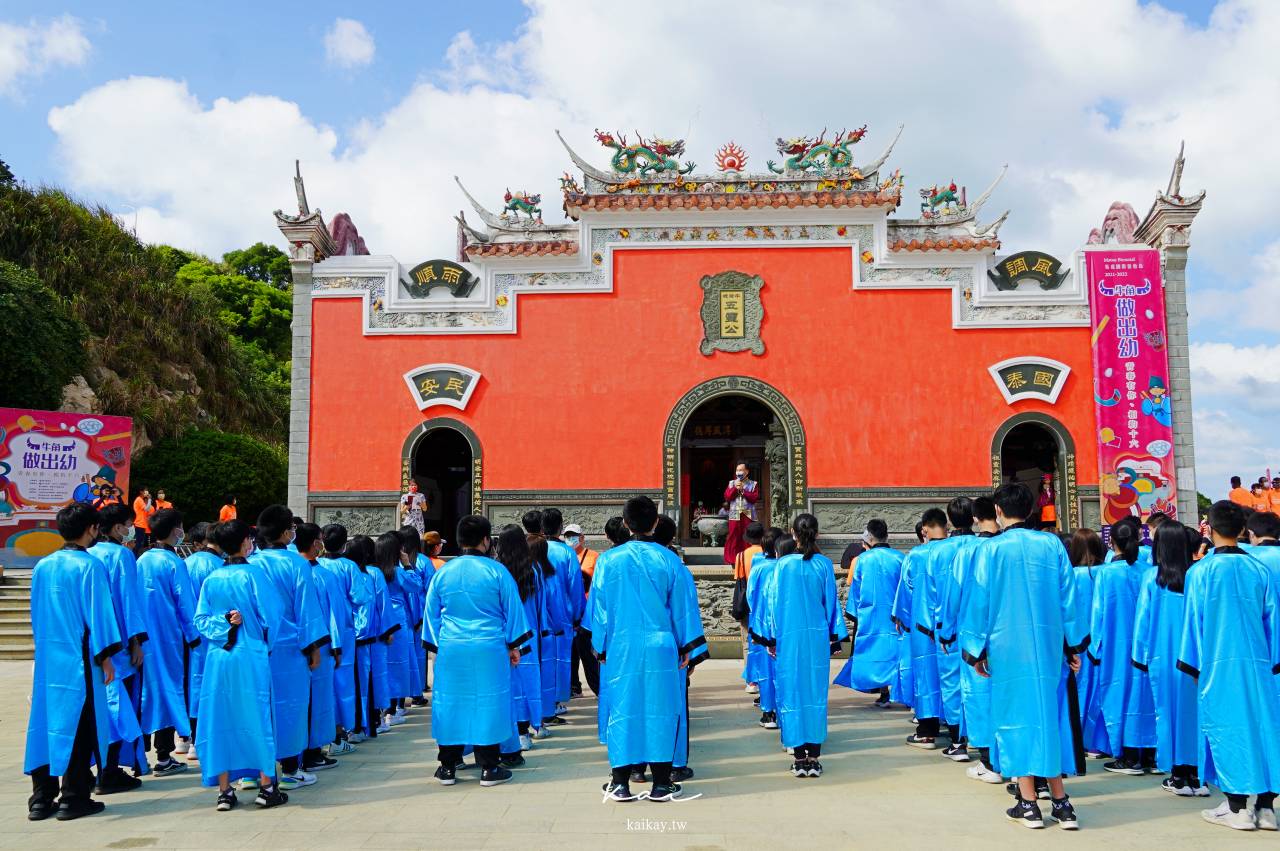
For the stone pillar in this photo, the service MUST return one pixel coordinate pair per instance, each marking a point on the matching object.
(309, 243)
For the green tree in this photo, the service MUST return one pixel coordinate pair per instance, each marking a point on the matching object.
(262, 262)
(200, 468)
(43, 343)
(253, 311)
(1203, 503)
(6, 176)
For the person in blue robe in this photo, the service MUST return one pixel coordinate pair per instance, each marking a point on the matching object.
(475, 624)
(1264, 532)
(874, 665)
(975, 690)
(389, 558)
(1017, 625)
(1231, 647)
(914, 618)
(1126, 707)
(301, 634)
(322, 721)
(1157, 639)
(1087, 554)
(204, 559)
(939, 567)
(169, 603)
(368, 625)
(350, 612)
(236, 737)
(761, 668)
(558, 616)
(664, 534)
(569, 574)
(73, 621)
(526, 678)
(418, 573)
(644, 637)
(124, 693)
(803, 628)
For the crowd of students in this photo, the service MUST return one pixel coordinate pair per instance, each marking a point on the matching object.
(268, 654)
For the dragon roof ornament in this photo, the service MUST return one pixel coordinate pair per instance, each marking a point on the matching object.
(510, 222)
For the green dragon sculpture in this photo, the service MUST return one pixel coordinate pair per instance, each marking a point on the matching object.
(818, 154)
(645, 157)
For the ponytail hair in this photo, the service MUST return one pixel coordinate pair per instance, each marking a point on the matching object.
(539, 553)
(805, 529)
(1124, 540)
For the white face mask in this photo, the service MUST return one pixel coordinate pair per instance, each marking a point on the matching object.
(573, 541)
(129, 534)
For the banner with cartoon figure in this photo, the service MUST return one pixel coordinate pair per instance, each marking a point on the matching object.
(1130, 383)
(50, 459)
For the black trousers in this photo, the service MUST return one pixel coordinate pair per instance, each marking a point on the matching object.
(77, 782)
(582, 653)
(928, 728)
(809, 751)
(451, 755)
(621, 775)
(163, 741)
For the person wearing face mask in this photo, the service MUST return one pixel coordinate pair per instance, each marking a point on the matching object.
(204, 559)
(574, 538)
(741, 496)
(286, 587)
(124, 696)
(169, 606)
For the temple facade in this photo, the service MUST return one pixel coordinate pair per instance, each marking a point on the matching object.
(866, 354)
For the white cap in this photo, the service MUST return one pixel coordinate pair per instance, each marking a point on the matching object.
(573, 529)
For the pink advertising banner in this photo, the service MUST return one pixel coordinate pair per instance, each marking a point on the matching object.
(1131, 383)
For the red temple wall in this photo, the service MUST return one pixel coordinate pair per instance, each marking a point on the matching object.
(889, 394)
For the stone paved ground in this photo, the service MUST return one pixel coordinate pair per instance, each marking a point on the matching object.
(877, 793)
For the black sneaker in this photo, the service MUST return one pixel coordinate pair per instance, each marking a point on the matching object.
(495, 776)
(1026, 813)
(446, 776)
(756, 703)
(1121, 766)
(1042, 789)
(638, 775)
(271, 796)
(420, 701)
(115, 780)
(815, 768)
(618, 792)
(575, 692)
(87, 807)
(169, 766)
(663, 793)
(681, 774)
(40, 810)
(226, 801)
(320, 765)
(956, 753)
(882, 702)
(1065, 815)
(926, 742)
(554, 720)
(769, 720)
(512, 760)
(799, 769)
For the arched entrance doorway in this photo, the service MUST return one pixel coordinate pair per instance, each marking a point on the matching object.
(1030, 446)
(443, 457)
(721, 423)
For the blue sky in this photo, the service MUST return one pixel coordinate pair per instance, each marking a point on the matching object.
(187, 117)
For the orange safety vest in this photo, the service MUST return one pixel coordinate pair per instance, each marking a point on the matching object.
(228, 512)
(742, 564)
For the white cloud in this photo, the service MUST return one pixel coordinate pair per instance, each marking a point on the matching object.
(1235, 399)
(1087, 102)
(1230, 445)
(28, 51)
(1250, 374)
(348, 44)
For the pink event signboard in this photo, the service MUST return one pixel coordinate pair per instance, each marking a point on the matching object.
(1131, 383)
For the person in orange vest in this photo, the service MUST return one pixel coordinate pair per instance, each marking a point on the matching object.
(161, 502)
(753, 538)
(228, 511)
(1048, 502)
(1239, 495)
(581, 650)
(432, 543)
(143, 508)
(1258, 499)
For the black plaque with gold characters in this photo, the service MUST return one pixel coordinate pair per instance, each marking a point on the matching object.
(1036, 266)
(442, 384)
(731, 313)
(1030, 378)
(425, 277)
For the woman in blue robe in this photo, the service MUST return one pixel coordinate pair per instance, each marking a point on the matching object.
(802, 630)
(1231, 647)
(418, 573)
(203, 561)
(1127, 710)
(913, 616)
(569, 575)
(876, 661)
(760, 668)
(1157, 638)
(389, 554)
(236, 734)
(1087, 554)
(73, 623)
(350, 615)
(322, 721)
(368, 625)
(475, 624)
(553, 628)
(526, 678)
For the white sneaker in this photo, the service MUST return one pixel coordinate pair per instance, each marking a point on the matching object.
(393, 720)
(248, 784)
(539, 732)
(382, 728)
(298, 780)
(1266, 817)
(191, 754)
(401, 712)
(562, 708)
(526, 741)
(355, 738)
(752, 688)
(978, 771)
(184, 746)
(340, 748)
(1223, 815)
